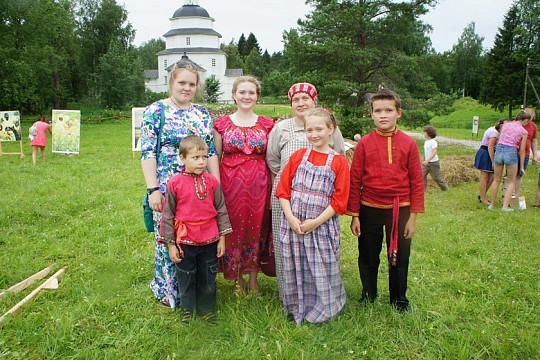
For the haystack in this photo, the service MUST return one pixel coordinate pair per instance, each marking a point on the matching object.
(456, 170)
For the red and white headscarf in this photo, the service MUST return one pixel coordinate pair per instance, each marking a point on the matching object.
(303, 88)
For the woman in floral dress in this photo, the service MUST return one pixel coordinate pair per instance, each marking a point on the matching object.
(181, 118)
(245, 179)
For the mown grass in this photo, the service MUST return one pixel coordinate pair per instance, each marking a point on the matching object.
(473, 280)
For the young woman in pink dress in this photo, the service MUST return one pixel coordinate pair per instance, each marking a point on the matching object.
(39, 140)
(241, 140)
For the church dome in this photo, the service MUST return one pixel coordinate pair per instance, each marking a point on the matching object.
(191, 11)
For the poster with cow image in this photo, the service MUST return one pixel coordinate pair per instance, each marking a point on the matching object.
(66, 131)
(136, 119)
(10, 126)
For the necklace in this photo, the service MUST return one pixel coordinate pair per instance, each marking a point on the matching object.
(175, 104)
(199, 196)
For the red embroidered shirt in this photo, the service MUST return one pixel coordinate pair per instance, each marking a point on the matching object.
(386, 165)
(196, 201)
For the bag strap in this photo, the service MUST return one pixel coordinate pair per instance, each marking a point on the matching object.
(161, 122)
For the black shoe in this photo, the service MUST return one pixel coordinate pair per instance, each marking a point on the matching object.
(402, 308)
(210, 318)
(187, 317)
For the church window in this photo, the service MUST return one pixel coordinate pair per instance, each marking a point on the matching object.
(165, 79)
(188, 40)
(165, 63)
(213, 62)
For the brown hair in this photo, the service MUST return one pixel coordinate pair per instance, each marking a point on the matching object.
(500, 123)
(191, 142)
(431, 131)
(385, 94)
(328, 117)
(247, 78)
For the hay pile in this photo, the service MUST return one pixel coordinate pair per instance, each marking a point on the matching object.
(456, 170)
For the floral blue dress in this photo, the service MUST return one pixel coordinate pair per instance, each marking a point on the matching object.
(177, 125)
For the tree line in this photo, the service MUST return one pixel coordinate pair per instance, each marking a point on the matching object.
(55, 51)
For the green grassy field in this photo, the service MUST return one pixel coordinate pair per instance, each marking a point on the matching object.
(473, 280)
(458, 124)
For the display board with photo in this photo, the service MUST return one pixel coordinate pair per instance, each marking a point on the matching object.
(66, 131)
(136, 119)
(10, 126)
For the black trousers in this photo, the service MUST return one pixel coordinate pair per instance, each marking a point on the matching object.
(372, 222)
(196, 277)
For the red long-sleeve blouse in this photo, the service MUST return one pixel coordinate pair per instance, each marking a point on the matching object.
(386, 165)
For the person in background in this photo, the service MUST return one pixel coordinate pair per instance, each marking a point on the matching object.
(181, 118)
(483, 160)
(431, 164)
(513, 136)
(530, 148)
(285, 138)
(242, 139)
(38, 137)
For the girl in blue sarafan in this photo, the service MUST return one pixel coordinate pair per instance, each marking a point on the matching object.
(313, 190)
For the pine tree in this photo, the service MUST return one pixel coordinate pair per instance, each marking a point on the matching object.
(241, 44)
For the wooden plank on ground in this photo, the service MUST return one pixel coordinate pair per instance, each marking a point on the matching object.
(28, 281)
(17, 308)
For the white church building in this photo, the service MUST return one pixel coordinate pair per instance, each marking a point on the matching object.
(193, 39)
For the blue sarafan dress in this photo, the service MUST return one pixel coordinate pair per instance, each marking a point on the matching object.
(177, 125)
(312, 288)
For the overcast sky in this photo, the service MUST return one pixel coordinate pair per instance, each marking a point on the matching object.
(267, 19)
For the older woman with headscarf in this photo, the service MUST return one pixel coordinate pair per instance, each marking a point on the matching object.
(285, 138)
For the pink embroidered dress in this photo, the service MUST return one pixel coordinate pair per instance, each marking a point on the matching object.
(245, 180)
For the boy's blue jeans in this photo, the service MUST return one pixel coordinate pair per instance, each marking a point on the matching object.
(196, 277)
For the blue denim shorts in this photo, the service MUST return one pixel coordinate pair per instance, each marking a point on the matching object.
(506, 155)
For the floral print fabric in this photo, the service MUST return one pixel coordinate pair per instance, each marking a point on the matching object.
(177, 124)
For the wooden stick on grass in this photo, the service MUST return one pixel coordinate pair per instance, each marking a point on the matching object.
(28, 281)
(50, 283)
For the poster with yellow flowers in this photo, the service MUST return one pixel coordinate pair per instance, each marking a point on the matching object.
(136, 119)
(10, 126)
(66, 131)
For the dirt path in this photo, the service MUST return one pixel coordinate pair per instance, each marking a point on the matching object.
(444, 140)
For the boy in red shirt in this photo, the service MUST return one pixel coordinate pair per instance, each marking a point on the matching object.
(387, 191)
(193, 225)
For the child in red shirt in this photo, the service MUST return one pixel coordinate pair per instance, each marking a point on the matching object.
(387, 191)
(193, 225)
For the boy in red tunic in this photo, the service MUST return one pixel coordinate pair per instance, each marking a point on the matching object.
(387, 191)
(194, 225)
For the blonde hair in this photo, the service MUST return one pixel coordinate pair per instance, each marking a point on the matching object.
(247, 78)
(328, 117)
(177, 69)
(191, 142)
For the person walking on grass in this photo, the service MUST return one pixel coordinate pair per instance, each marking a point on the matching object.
(38, 137)
(387, 192)
(513, 136)
(313, 191)
(193, 226)
(431, 164)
